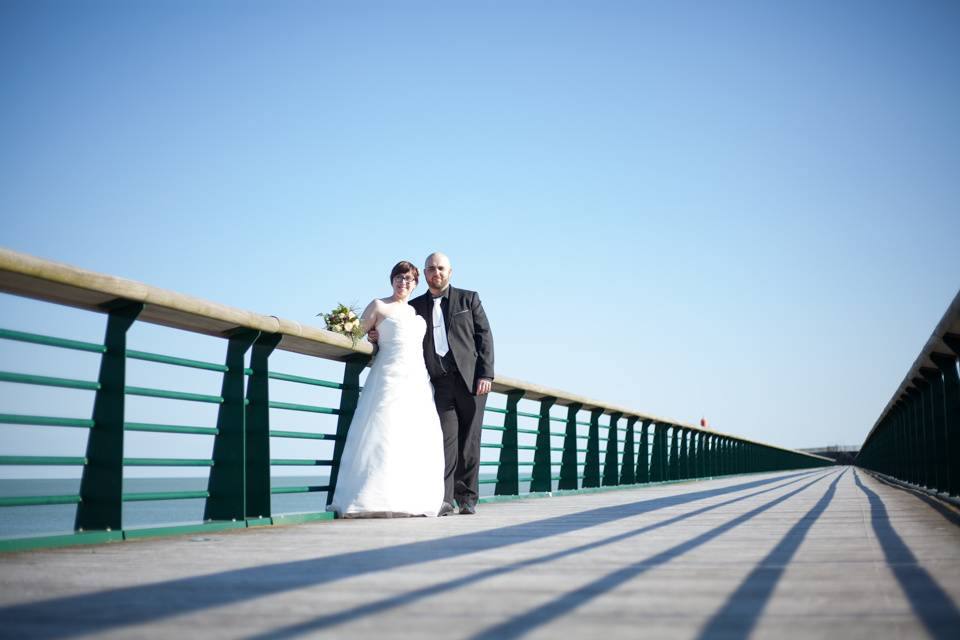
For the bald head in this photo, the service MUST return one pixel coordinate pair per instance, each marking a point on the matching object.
(437, 270)
(437, 257)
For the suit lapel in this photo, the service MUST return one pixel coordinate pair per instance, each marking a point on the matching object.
(453, 304)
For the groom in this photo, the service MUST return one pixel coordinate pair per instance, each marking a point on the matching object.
(458, 351)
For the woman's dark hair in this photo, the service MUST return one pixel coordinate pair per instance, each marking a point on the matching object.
(402, 268)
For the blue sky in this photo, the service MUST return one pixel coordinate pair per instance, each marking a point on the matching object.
(740, 210)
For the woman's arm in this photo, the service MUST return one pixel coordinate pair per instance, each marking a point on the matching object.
(371, 316)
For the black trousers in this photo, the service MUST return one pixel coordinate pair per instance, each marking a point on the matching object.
(461, 419)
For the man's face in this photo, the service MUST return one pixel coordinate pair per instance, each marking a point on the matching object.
(437, 270)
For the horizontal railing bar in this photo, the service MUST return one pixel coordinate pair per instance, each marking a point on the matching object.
(495, 410)
(58, 461)
(167, 462)
(308, 489)
(51, 341)
(165, 495)
(286, 377)
(527, 447)
(30, 501)
(173, 395)
(302, 434)
(48, 381)
(533, 431)
(180, 362)
(45, 421)
(527, 414)
(169, 428)
(302, 407)
(487, 445)
(297, 462)
(494, 428)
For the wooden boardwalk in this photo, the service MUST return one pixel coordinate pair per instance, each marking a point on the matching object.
(831, 553)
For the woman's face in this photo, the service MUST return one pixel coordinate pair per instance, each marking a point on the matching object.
(403, 285)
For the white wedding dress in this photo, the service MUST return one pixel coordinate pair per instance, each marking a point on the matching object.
(392, 463)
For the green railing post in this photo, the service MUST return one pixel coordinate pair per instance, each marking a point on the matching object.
(722, 464)
(938, 425)
(913, 433)
(508, 479)
(716, 464)
(611, 459)
(591, 469)
(904, 443)
(541, 475)
(694, 468)
(684, 459)
(258, 427)
(658, 470)
(349, 397)
(628, 473)
(568, 464)
(951, 401)
(708, 462)
(101, 485)
(673, 465)
(227, 484)
(643, 453)
(916, 424)
(702, 456)
(922, 415)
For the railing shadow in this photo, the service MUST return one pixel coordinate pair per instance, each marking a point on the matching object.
(950, 515)
(740, 613)
(113, 608)
(568, 602)
(371, 608)
(930, 603)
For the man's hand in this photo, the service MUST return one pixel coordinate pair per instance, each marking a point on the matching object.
(483, 386)
(373, 335)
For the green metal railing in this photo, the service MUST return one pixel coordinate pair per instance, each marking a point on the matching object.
(630, 448)
(917, 437)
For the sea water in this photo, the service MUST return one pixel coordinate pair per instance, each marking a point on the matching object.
(38, 520)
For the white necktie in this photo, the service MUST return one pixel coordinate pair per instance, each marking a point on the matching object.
(439, 330)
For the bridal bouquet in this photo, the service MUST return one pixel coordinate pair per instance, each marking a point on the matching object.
(344, 320)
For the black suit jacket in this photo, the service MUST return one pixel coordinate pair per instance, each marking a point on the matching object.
(468, 334)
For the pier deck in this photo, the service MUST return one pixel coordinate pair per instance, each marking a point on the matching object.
(826, 553)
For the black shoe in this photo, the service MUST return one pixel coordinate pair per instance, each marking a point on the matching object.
(445, 509)
(468, 508)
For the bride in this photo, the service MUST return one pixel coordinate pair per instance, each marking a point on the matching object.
(392, 463)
